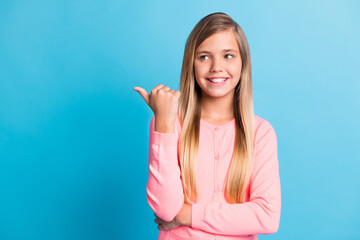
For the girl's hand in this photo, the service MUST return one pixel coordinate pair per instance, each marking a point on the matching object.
(183, 218)
(162, 100)
(163, 225)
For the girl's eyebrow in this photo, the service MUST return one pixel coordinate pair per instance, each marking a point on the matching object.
(225, 50)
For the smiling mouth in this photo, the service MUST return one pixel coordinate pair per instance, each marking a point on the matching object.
(217, 80)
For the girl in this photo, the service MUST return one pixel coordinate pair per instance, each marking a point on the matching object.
(213, 164)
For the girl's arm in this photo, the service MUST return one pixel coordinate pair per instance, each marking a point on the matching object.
(164, 188)
(261, 215)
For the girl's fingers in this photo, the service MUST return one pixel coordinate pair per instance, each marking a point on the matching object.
(162, 226)
(156, 88)
(166, 88)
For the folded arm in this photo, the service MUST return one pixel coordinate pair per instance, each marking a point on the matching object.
(164, 188)
(261, 214)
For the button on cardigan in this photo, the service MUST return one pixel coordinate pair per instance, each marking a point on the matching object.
(212, 216)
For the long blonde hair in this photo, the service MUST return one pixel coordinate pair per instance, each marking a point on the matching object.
(190, 113)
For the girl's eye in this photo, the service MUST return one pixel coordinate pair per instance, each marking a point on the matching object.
(228, 56)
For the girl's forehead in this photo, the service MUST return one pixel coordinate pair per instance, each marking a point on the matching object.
(220, 41)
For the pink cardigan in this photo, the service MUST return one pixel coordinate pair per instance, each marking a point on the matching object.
(212, 216)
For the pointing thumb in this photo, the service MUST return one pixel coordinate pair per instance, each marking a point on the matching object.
(143, 93)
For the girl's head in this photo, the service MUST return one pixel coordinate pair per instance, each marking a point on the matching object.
(216, 48)
(218, 58)
(216, 32)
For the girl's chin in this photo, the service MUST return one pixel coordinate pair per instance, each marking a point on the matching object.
(214, 94)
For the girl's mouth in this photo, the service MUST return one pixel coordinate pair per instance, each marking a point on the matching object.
(217, 81)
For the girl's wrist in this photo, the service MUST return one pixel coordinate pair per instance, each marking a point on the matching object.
(164, 125)
(184, 216)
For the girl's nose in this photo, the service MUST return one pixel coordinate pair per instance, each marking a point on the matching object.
(216, 65)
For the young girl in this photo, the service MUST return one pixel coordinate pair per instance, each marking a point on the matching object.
(213, 164)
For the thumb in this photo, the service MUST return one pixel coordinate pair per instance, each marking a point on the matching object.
(143, 93)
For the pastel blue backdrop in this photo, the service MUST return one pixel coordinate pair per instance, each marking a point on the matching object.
(74, 135)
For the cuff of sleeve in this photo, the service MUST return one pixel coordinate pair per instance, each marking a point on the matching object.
(197, 214)
(167, 139)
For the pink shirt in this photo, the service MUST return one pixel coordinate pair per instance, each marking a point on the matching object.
(212, 216)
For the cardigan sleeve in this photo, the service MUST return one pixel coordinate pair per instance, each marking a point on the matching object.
(164, 187)
(261, 214)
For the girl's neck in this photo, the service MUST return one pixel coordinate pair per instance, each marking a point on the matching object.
(217, 109)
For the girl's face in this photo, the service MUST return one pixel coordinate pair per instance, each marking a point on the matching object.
(218, 58)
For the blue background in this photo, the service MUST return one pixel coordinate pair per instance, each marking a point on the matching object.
(74, 135)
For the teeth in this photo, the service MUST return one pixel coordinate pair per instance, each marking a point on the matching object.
(217, 80)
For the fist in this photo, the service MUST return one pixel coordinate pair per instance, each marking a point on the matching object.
(163, 101)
